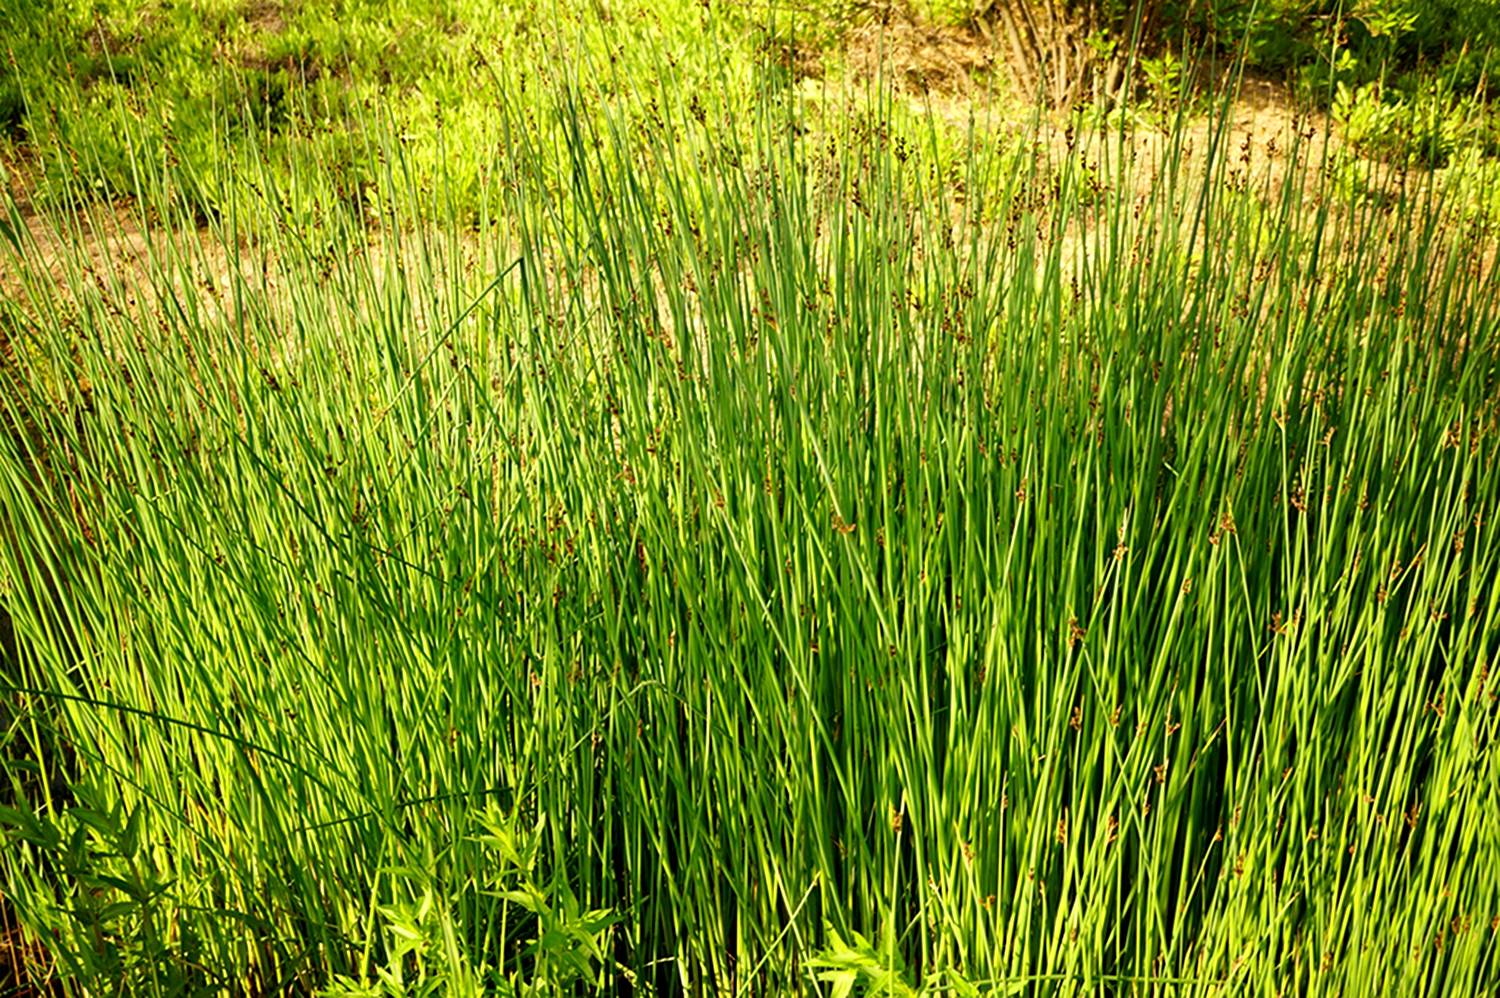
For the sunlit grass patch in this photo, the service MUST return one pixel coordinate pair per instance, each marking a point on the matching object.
(755, 549)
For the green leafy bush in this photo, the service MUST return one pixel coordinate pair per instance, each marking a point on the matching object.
(1425, 129)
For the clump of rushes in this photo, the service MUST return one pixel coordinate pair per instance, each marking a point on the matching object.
(1070, 572)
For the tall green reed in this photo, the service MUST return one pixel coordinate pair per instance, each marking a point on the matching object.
(1069, 569)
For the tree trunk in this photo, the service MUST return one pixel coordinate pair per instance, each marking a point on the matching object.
(1050, 54)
